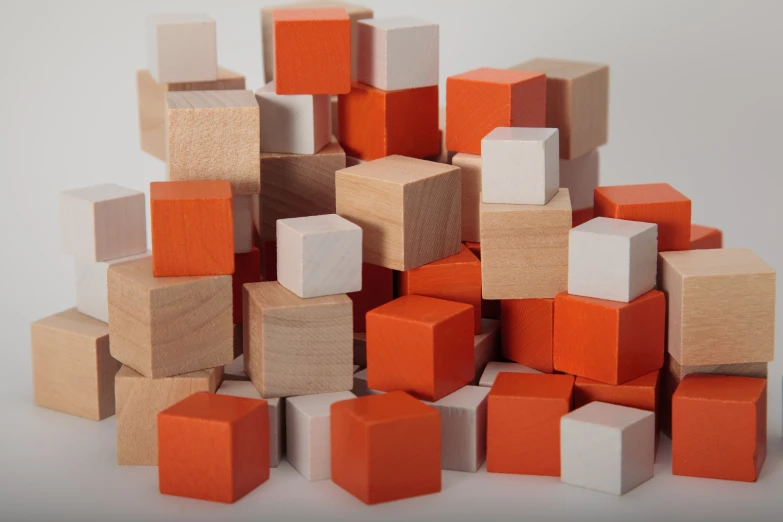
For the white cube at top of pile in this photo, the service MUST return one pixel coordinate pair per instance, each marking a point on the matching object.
(520, 165)
(294, 123)
(182, 48)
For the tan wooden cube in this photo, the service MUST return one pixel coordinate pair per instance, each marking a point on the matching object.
(470, 165)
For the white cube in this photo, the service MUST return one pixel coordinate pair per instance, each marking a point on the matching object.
(580, 176)
(319, 255)
(293, 123)
(612, 259)
(182, 48)
(492, 370)
(397, 53)
(607, 448)
(92, 294)
(242, 205)
(520, 165)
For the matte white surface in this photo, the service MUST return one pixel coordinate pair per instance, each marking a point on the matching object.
(243, 223)
(580, 176)
(181, 48)
(92, 296)
(293, 123)
(492, 370)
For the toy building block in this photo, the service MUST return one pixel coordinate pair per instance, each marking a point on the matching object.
(584, 215)
(527, 332)
(235, 370)
(92, 295)
(293, 124)
(182, 48)
(420, 345)
(268, 260)
(213, 447)
(721, 306)
(377, 289)
(486, 347)
(296, 346)
(319, 255)
(520, 165)
(705, 238)
(214, 135)
(242, 212)
(103, 222)
(238, 343)
(409, 210)
(607, 448)
(334, 116)
(192, 228)
(154, 334)
(307, 433)
(612, 259)
(494, 368)
(524, 249)
(580, 176)
(470, 165)
(523, 422)
(490, 308)
(445, 156)
(360, 346)
(397, 53)
(247, 269)
(360, 387)
(139, 400)
(655, 203)
(73, 371)
(478, 101)
(386, 447)
(719, 427)
(314, 40)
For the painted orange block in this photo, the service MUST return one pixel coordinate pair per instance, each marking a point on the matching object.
(376, 123)
(527, 332)
(581, 216)
(454, 278)
(192, 228)
(213, 447)
(523, 422)
(657, 203)
(247, 269)
(377, 289)
(719, 427)
(609, 341)
(704, 238)
(490, 308)
(480, 100)
(385, 447)
(420, 345)
(312, 51)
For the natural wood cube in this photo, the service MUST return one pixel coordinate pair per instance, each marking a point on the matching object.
(92, 294)
(486, 347)
(470, 165)
(489, 307)
(182, 48)
(527, 329)
(293, 124)
(705, 238)
(247, 269)
(581, 176)
(377, 289)
(495, 368)
(242, 212)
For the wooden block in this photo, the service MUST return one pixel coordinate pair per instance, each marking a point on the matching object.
(269, 261)
(235, 370)
(490, 308)
(360, 387)
(581, 216)
(581, 176)
(307, 433)
(377, 289)
(621, 439)
(103, 222)
(247, 269)
(486, 347)
(385, 447)
(524, 249)
(334, 116)
(409, 210)
(319, 255)
(721, 306)
(214, 135)
(523, 422)
(612, 259)
(657, 203)
(238, 344)
(92, 296)
(705, 238)
(494, 368)
(293, 124)
(480, 100)
(154, 334)
(577, 102)
(182, 48)
(420, 345)
(527, 330)
(360, 348)
(192, 228)
(243, 223)
(139, 400)
(445, 156)
(470, 165)
(296, 346)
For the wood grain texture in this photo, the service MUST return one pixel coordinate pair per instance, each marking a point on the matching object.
(705, 238)
(92, 295)
(495, 368)
(470, 166)
(486, 347)
(527, 331)
(377, 289)
(293, 123)
(181, 47)
(242, 211)
(490, 308)
(581, 176)
(247, 269)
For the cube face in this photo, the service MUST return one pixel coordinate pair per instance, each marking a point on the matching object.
(247, 269)
(182, 48)
(92, 297)
(470, 165)
(527, 329)
(705, 238)
(377, 289)
(242, 214)
(641, 393)
(581, 176)
(486, 347)
(495, 368)
(463, 427)
(293, 124)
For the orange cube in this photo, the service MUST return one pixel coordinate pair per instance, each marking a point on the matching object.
(719, 427)
(420, 345)
(490, 308)
(581, 216)
(609, 341)
(192, 228)
(480, 100)
(377, 289)
(704, 238)
(247, 269)
(385, 447)
(454, 278)
(523, 422)
(527, 330)
(213, 447)
(375, 123)
(657, 203)
(312, 51)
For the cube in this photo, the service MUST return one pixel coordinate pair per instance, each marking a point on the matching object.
(182, 48)
(705, 238)
(527, 330)
(247, 269)
(293, 124)
(92, 295)
(489, 308)
(470, 165)
(360, 387)
(377, 289)
(581, 176)
(360, 348)
(584, 215)
(495, 368)
(486, 347)
(242, 212)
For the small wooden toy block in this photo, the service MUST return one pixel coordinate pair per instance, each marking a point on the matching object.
(527, 332)
(523, 422)
(314, 40)
(581, 176)
(92, 294)
(494, 368)
(319, 255)
(478, 101)
(73, 371)
(470, 165)
(524, 249)
(705, 238)
(612, 259)
(719, 427)
(520, 165)
(307, 433)
(360, 388)
(242, 212)
(214, 135)
(268, 260)
(490, 308)
(293, 124)
(154, 334)
(139, 400)
(238, 343)
(182, 48)
(386, 447)
(235, 370)
(213, 447)
(582, 216)
(420, 345)
(721, 306)
(103, 222)
(296, 346)
(607, 448)
(409, 210)
(360, 347)
(657, 203)
(247, 269)
(334, 116)
(445, 156)
(192, 228)
(486, 347)
(609, 341)
(397, 53)
(377, 289)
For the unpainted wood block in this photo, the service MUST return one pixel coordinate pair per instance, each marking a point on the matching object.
(182, 48)
(247, 269)
(705, 238)
(581, 176)
(242, 210)
(360, 387)
(527, 331)
(490, 308)
(582, 216)
(470, 165)
(377, 289)
(486, 347)
(92, 295)
(494, 368)
(293, 124)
